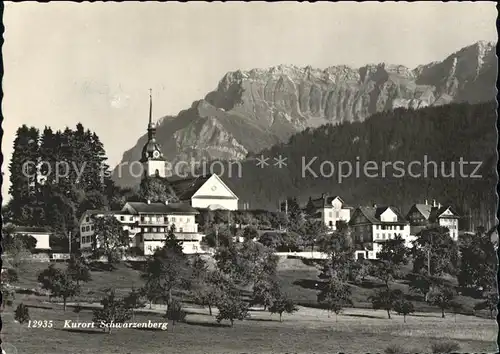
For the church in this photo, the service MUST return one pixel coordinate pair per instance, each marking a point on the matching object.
(202, 192)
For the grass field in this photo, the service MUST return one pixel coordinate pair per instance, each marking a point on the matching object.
(307, 331)
(310, 330)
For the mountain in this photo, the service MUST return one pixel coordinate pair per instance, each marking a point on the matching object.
(405, 140)
(253, 110)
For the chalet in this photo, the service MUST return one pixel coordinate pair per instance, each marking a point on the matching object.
(426, 215)
(329, 210)
(147, 225)
(371, 226)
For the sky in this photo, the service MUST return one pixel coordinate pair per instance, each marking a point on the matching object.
(94, 63)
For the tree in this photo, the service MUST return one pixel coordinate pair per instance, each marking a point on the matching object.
(335, 295)
(384, 300)
(250, 233)
(435, 251)
(203, 284)
(394, 251)
(111, 240)
(340, 261)
(16, 247)
(24, 173)
(265, 292)
(59, 283)
(77, 309)
(173, 243)
(174, 312)
(154, 189)
(313, 231)
(152, 290)
(8, 295)
(166, 270)
(22, 314)
(403, 307)
(282, 304)
(113, 311)
(491, 303)
(231, 307)
(478, 261)
(441, 297)
(78, 269)
(134, 301)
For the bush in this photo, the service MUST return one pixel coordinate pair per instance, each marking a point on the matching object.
(445, 347)
(395, 349)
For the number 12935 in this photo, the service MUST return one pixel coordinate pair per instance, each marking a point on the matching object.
(40, 324)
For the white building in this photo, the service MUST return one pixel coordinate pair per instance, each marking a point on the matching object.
(426, 215)
(148, 225)
(41, 235)
(372, 226)
(329, 210)
(205, 192)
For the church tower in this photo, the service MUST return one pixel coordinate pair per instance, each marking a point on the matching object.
(152, 158)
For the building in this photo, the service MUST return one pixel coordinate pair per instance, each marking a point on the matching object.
(329, 210)
(372, 226)
(41, 235)
(426, 215)
(148, 225)
(208, 191)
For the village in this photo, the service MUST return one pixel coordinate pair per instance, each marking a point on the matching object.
(249, 178)
(148, 222)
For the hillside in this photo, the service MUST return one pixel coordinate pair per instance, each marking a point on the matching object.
(443, 134)
(256, 109)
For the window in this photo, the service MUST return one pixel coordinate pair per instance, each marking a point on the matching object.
(91, 227)
(131, 218)
(401, 227)
(383, 236)
(161, 229)
(122, 218)
(180, 229)
(330, 223)
(154, 229)
(142, 218)
(87, 219)
(337, 214)
(166, 219)
(146, 229)
(330, 214)
(83, 228)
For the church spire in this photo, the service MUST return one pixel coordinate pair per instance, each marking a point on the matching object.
(150, 125)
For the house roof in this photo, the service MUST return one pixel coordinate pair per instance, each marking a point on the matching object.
(160, 208)
(432, 213)
(437, 212)
(187, 187)
(424, 209)
(373, 213)
(326, 201)
(29, 229)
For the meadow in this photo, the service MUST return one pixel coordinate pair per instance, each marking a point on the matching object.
(309, 330)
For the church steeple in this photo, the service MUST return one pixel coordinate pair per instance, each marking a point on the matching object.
(152, 156)
(151, 126)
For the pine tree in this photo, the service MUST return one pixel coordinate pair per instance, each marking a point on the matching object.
(24, 178)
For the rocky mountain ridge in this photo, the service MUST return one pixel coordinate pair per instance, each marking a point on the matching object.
(255, 109)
